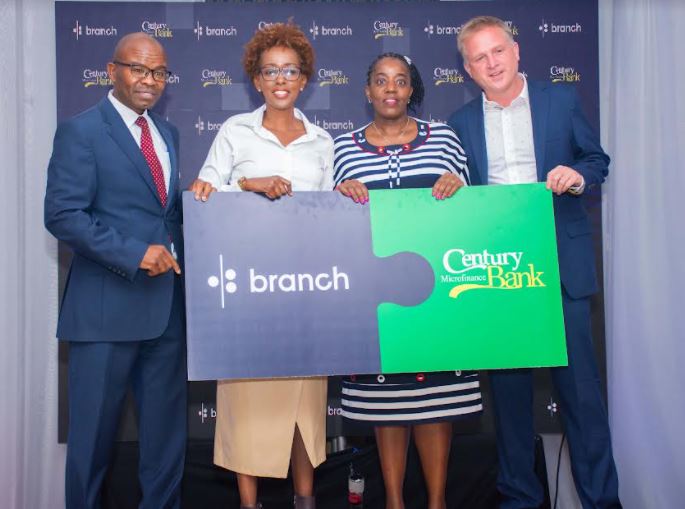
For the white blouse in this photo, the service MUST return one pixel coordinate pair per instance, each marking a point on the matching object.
(244, 148)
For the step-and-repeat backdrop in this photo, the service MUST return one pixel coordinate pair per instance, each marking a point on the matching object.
(204, 45)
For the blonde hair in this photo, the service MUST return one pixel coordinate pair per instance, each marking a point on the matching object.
(478, 23)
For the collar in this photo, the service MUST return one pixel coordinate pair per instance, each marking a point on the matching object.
(254, 121)
(127, 114)
(522, 98)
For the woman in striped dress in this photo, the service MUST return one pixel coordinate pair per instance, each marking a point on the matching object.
(397, 151)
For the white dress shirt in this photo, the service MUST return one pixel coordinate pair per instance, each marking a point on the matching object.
(245, 148)
(509, 140)
(129, 117)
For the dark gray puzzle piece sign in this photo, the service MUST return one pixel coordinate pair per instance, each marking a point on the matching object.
(289, 287)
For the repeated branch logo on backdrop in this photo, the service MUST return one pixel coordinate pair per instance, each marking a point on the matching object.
(437, 29)
(80, 30)
(333, 125)
(547, 27)
(202, 125)
(321, 30)
(201, 30)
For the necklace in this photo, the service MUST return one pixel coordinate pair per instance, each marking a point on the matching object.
(385, 139)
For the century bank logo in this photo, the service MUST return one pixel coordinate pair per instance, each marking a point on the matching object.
(332, 77)
(383, 28)
(258, 282)
(215, 77)
(261, 25)
(563, 74)
(207, 31)
(496, 271)
(95, 77)
(201, 126)
(447, 76)
(91, 31)
(322, 30)
(156, 29)
(549, 27)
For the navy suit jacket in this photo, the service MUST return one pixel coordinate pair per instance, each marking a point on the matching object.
(561, 135)
(102, 202)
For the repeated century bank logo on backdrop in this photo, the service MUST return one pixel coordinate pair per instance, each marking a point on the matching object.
(99, 77)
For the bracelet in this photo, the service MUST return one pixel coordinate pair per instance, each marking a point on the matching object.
(241, 183)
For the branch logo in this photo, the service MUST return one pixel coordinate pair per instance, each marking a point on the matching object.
(387, 29)
(206, 413)
(329, 31)
(201, 126)
(563, 74)
(332, 77)
(436, 29)
(548, 27)
(208, 31)
(485, 270)
(156, 29)
(447, 76)
(225, 281)
(333, 125)
(552, 407)
(95, 77)
(87, 30)
(214, 77)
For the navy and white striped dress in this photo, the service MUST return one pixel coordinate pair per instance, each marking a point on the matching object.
(408, 398)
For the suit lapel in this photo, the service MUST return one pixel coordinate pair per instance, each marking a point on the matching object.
(477, 134)
(539, 110)
(122, 137)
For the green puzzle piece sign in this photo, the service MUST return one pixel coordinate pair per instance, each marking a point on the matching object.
(497, 297)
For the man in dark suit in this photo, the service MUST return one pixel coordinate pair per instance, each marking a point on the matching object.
(112, 196)
(517, 132)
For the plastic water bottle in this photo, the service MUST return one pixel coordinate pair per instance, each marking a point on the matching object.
(355, 488)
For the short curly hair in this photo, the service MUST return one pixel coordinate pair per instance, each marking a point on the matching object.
(285, 35)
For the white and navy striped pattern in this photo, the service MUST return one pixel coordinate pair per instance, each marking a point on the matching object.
(411, 398)
(420, 163)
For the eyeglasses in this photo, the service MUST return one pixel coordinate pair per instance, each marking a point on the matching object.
(140, 72)
(271, 72)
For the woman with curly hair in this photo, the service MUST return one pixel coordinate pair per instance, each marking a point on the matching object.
(263, 426)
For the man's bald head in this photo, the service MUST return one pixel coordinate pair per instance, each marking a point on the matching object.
(134, 39)
(136, 57)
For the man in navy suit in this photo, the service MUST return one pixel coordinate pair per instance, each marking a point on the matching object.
(112, 197)
(517, 132)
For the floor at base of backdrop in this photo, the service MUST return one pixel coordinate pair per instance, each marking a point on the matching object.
(470, 482)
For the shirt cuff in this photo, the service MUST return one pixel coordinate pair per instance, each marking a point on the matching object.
(579, 188)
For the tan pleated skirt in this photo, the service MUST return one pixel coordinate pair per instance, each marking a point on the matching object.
(256, 419)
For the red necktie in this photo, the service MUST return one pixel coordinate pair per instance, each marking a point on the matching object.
(148, 149)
